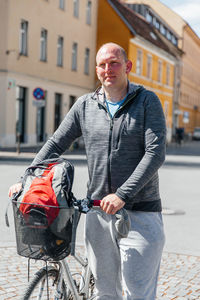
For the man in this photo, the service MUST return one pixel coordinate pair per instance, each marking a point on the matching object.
(123, 127)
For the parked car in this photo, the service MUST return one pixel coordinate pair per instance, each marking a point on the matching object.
(196, 133)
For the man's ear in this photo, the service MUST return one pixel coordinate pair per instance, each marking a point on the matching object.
(128, 66)
(97, 72)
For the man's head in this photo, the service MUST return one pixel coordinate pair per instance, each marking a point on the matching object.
(112, 66)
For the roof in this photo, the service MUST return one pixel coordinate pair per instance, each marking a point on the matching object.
(138, 25)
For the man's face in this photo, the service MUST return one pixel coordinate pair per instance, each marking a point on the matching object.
(112, 69)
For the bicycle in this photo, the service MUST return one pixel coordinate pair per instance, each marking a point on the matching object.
(55, 280)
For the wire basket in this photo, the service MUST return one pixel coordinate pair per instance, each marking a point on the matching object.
(36, 239)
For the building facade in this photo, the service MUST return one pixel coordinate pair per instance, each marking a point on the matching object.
(47, 60)
(153, 60)
(186, 112)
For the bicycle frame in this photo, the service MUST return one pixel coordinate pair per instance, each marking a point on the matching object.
(85, 278)
(86, 273)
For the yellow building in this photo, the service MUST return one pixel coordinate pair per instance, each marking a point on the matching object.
(187, 105)
(153, 60)
(47, 60)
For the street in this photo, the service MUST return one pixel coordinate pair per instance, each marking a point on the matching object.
(179, 185)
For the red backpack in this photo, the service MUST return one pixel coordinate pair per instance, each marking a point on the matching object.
(44, 210)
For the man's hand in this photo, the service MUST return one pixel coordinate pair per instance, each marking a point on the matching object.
(15, 188)
(111, 204)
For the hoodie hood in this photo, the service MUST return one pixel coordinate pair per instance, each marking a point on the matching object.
(99, 93)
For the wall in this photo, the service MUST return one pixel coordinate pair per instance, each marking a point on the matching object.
(110, 27)
(28, 71)
(162, 90)
(46, 14)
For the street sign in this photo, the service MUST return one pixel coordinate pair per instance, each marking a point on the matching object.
(39, 103)
(39, 94)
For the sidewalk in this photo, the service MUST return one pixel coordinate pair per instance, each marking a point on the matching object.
(179, 275)
(29, 156)
(189, 150)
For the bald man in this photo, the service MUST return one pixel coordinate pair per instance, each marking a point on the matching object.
(124, 131)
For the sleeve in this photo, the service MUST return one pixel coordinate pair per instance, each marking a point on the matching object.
(63, 137)
(154, 149)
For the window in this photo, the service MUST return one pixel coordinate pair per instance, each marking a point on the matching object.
(57, 110)
(154, 21)
(60, 52)
(157, 24)
(149, 17)
(166, 109)
(162, 29)
(169, 35)
(88, 12)
(87, 59)
(76, 8)
(139, 63)
(41, 122)
(74, 56)
(21, 114)
(23, 38)
(159, 71)
(62, 4)
(72, 100)
(43, 45)
(174, 40)
(149, 66)
(167, 75)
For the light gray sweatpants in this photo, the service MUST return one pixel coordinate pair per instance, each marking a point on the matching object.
(129, 264)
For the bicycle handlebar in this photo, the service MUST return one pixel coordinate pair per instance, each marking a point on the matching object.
(85, 205)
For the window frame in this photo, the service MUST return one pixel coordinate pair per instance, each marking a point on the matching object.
(60, 51)
(167, 74)
(43, 44)
(139, 60)
(74, 64)
(62, 4)
(76, 8)
(160, 67)
(23, 45)
(58, 110)
(72, 100)
(89, 12)
(149, 66)
(87, 61)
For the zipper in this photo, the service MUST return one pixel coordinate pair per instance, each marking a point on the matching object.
(127, 101)
(109, 152)
(110, 134)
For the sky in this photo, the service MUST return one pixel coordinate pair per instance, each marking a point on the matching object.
(189, 10)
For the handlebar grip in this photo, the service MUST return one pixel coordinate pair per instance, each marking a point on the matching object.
(96, 202)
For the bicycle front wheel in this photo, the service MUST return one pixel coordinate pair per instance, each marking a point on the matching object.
(44, 286)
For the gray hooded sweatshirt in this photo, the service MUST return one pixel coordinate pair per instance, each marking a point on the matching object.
(124, 153)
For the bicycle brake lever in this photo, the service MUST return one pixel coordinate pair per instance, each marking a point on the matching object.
(83, 205)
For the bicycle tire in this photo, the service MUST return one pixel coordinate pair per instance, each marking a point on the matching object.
(32, 292)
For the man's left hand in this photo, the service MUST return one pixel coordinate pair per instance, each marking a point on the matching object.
(111, 204)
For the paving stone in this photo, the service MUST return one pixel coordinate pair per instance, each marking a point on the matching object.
(179, 275)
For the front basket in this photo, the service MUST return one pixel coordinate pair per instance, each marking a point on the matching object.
(36, 239)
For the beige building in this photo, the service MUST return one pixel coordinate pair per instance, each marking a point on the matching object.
(47, 60)
(187, 104)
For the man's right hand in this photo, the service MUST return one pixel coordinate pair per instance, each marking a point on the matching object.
(15, 188)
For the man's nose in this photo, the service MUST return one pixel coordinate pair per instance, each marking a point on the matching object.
(107, 67)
